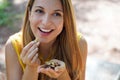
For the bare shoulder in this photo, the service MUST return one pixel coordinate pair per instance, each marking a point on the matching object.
(83, 44)
(10, 54)
(83, 51)
(12, 62)
(9, 50)
(83, 48)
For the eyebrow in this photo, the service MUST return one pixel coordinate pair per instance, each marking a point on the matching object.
(39, 7)
(59, 10)
(54, 10)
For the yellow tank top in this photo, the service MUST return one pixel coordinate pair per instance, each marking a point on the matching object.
(16, 40)
(17, 45)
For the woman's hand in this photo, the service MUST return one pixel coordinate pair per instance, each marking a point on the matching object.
(29, 54)
(55, 72)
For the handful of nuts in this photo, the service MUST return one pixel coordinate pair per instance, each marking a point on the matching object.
(54, 64)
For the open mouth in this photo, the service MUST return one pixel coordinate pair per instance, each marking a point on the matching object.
(45, 31)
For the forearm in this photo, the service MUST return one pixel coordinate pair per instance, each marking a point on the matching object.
(64, 76)
(30, 73)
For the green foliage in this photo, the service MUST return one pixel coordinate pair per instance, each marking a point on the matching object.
(4, 15)
(3, 4)
(8, 16)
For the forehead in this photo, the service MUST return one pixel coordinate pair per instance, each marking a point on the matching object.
(51, 4)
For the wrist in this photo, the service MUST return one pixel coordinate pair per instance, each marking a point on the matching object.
(31, 68)
(30, 73)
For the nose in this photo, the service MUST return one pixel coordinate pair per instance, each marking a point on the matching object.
(46, 20)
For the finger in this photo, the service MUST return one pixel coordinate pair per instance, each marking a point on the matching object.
(29, 55)
(34, 58)
(28, 58)
(33, 47)
(59, 69)
(52, 73)
(48, 71)
(38, 61)
(45, 71)
(26, 48)
(39, 68)
(24, 60)
(32, 54)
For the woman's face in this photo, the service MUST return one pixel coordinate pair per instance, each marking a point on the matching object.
(46, 19)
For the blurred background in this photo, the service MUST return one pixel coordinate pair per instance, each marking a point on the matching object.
(97, 20)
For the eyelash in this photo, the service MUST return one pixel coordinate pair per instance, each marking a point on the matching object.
(41, 12)
(57, 14)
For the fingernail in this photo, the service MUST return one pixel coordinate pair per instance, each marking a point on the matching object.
(38, 43)
(36, 49)
(40, 70)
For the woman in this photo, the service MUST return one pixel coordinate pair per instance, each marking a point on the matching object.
(48, 33)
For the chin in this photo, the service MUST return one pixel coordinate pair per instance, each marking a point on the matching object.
(43, 40)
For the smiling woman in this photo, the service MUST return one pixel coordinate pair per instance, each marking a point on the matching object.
(46, 21)
(48, 38)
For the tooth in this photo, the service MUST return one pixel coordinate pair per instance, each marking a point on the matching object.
(44, 30)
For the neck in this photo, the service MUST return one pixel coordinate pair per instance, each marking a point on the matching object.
(44, 49)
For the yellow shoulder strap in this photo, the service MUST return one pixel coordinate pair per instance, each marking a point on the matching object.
(79, 35)
(16, 42)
